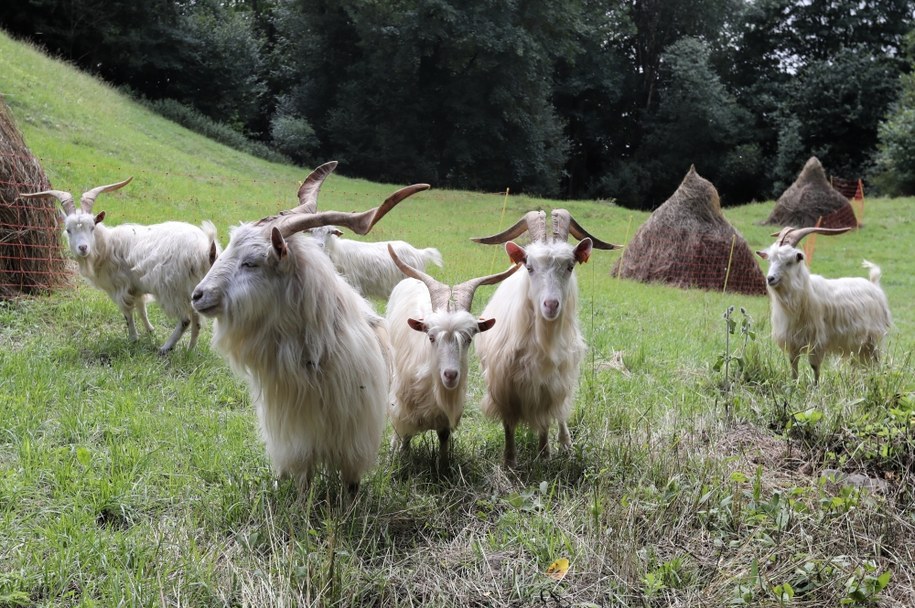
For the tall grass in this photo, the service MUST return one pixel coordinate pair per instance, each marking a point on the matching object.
(127, 478)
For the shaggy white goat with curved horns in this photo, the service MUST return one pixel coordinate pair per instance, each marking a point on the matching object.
(315, 355)
(812, 314)
(531, 358)
(431, 330)
(130, 262)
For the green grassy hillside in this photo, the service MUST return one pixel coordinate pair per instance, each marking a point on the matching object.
(130, 478)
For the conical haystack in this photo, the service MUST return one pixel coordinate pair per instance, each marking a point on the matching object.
(31, 259)
(687, 242)
(811, 199)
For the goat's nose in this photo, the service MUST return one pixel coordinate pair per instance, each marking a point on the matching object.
(198, 293)
(770, 280)
(551, 306)
(83, 248)
(450, 375)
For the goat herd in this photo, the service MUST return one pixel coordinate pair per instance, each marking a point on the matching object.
(323, 368)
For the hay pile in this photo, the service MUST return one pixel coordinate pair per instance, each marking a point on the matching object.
(687, 242)
(810, 198)
(31, 259)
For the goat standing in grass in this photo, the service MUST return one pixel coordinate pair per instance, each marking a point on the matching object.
(130, 262)
(531, 358)
(431, 330)
(814, 315)
(315, 355)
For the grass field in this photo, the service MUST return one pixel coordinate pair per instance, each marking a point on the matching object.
(131, 479)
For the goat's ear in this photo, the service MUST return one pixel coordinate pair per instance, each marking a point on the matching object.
(61, 216)
(336, 232)
(417, 325)
(212, 253)
(279, 243)
(515, 253)
(763, 254)
(100, 218)
(583, 250)
(484, 324)
(800, 256)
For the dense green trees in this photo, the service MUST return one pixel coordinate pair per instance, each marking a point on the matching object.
(576, 98)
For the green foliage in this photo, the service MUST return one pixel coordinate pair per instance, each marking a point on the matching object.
(894, 171)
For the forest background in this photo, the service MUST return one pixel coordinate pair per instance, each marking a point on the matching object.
(559, 98)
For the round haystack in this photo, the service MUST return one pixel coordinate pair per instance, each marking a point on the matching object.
(812, 201)
(31, 258)
(687, 242)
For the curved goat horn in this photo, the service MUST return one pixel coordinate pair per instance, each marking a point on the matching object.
(308, 191)
(360, 223)
(88, 198)
(65, 198)
(438, 291)
(564, 223)
(463, 292)
(792, 236)
(532, 221)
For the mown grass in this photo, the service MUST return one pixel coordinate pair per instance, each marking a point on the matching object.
(127, 478)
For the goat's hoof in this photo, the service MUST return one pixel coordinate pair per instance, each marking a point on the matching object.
(164, 351)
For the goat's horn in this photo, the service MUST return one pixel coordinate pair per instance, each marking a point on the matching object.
(792, 236)
(360, 223)
(89, 197)
(308, 191)
(438, 291)
(65, 198)
(463, 292)
(564, 223)
(532, 221)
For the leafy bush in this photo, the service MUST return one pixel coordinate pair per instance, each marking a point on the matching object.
(293, 136)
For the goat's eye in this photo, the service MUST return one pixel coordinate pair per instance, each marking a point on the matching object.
(69, 231)
(530, 268)
(249, 264)
(571, 267)
(432, 339)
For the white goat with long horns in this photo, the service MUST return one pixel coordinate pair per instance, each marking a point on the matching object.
(531, 358)
(131, 262)
(315, 355)
(431, 330)
(818, 316)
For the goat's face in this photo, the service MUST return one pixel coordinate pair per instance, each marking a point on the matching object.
(450, 334)
(550, 269)
(80, 229)
(247, 279)
(787, 268)
(324, 236)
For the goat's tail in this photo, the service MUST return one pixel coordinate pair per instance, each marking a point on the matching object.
(210, 230)
(874, 272)
(431, 254)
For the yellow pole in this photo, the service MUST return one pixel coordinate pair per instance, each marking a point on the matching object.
(727, 273)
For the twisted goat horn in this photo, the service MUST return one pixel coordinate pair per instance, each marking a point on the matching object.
(89, 197)
(532, 221)
(360, 223)
(792, 236)
(564, 223)
(308, 191)
(65, 198)
(438, 291)
(463, 292)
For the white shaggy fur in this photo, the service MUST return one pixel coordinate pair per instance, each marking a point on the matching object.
(313, 352)
(819, 316)
(531, 358)
(367, 266)
(430, 364)
(130, 262)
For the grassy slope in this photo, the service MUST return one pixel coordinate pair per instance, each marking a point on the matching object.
(128, 476)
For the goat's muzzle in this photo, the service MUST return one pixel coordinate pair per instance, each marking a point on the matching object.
(205, 302)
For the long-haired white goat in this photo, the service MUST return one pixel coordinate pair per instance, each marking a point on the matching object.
(431, 330)
(531, 358)
(313, 352)
(814, 315)
(367, 266)
(130, 262)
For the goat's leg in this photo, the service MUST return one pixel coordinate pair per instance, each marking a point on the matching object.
(816, 359)
(565, 438)
(176, 335)
(543, 444)
(444, 441)
(509, 457)
(195, 330)
(127, 311)
(141, 308)
(795, 357)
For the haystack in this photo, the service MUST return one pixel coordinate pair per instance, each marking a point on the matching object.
(811, 199)
(687, 242)
(31, 259)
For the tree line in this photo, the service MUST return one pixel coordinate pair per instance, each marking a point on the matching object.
(561, 98)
